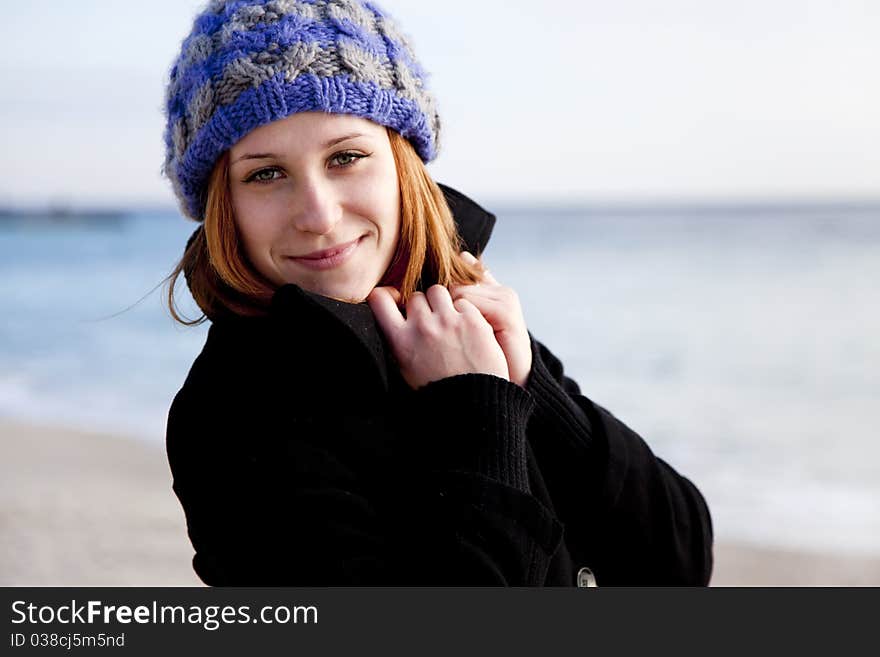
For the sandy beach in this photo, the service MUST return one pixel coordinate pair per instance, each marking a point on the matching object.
(84, 509)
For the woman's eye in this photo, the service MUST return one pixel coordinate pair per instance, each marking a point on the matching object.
(347, 158)
(263, 175)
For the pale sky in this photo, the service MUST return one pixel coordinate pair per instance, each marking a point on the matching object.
(591, 100)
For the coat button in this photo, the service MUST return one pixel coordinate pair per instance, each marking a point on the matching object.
(585, 578)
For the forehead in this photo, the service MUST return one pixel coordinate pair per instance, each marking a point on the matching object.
(306, 130)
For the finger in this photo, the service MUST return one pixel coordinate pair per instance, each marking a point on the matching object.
(417, 306)
(440, 300)
(494, 311)
(384, 307)
(468, 309)
(468, 257)
(477, 291)
(471, 259)
(487, 275)
(486, 304)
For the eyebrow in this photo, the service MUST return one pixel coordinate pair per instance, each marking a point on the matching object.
(335, 141)
(327, 144)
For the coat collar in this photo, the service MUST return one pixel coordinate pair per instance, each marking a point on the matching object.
(292, 304)
(474, 223)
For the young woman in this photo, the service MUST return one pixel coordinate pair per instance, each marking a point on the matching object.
(369, 407)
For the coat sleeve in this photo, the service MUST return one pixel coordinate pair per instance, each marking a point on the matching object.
(628, 516)
(307, 517)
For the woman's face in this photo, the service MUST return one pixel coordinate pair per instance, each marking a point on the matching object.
(314, 182)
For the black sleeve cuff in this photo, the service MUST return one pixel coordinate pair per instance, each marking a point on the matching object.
(475, 423)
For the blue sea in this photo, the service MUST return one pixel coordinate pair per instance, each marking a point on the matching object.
(742, 343)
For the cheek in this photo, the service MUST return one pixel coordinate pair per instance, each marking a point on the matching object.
(255, 235)
(387, 200)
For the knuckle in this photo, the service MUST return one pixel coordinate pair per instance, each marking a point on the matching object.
(429, 330)
(476, 319)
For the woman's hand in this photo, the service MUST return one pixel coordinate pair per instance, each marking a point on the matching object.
(438, 338)
(501, 308)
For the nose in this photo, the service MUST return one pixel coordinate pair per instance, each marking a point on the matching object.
(317, 208)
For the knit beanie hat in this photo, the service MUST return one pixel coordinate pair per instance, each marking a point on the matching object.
(250, 62)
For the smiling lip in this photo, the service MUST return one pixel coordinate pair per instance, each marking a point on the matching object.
(328, 258)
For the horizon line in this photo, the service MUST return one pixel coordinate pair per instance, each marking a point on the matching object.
(599, 204)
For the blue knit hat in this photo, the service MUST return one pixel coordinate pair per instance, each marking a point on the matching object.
(250, 62)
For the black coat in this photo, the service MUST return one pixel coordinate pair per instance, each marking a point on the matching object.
(302, 458)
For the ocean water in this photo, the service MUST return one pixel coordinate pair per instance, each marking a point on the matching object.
(743, 345)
